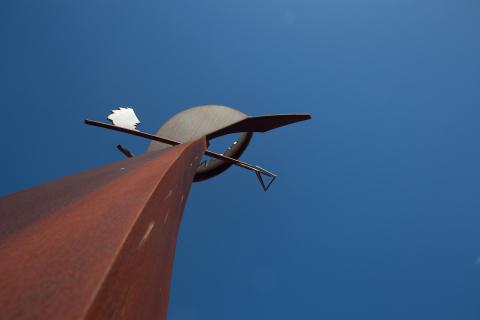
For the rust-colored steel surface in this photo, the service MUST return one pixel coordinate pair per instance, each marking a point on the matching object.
(97, 245)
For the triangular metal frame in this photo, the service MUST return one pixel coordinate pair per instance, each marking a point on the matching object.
(269, 174)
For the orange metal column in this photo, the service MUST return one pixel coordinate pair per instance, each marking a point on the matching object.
(97, 245)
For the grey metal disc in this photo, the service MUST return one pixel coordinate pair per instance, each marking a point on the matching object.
(199, 121)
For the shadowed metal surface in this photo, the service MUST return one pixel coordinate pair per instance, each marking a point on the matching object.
(196, 122)
(200, 121)
(210, 168)
(260, 124)
(214, 121)
(97, 245)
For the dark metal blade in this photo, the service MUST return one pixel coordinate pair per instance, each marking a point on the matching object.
(260, 124)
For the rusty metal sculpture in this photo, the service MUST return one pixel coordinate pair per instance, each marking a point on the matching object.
(210, 121)
(100, 244)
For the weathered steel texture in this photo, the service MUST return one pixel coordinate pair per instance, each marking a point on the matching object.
(97, 245)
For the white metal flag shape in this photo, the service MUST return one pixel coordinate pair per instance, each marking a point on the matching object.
(124, 118)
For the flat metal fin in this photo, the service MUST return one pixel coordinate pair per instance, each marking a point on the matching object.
(260, 124)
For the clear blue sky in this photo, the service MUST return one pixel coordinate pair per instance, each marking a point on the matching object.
(376, 211)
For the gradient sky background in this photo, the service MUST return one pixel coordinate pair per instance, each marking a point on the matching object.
(375, 214)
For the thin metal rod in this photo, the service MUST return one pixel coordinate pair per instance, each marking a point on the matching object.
(234, 161)
(174, 143)
(125, 151)
(132, 132)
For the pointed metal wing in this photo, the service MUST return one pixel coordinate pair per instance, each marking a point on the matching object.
(260, 124)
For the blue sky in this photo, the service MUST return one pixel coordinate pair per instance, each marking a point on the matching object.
(375, 213)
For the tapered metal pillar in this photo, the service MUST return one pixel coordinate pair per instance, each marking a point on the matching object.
(97, 245)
